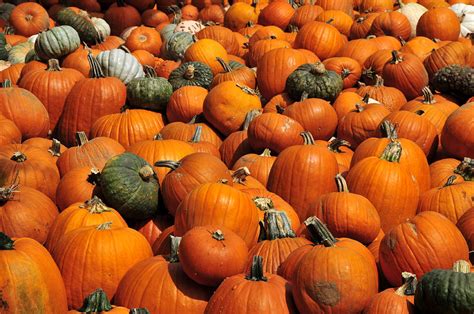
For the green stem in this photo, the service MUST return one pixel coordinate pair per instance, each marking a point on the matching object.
(197, 134)
(104, 226)
(6, 243)
(263, 203)
(55, 148)
(224, 65)
(320, 232)
(18, 157)
(252, 114)
(218, 235)
(81, 138)
(409, 285)
(95, 206)
(389, 130)
(149, 71)
(308, 138)
(450, 181)
(172, 164)
(466, 169)
(139, 311)
(462, 266)
(96, 69)
(428, 97)
(53, 65)
(335, 144)
(341, 183)
(277, 225)
(256, 270)
(146, 173)
(240, 175)
(266, 153)
(392, 152)
(94, 176)
(173, 257)
(96, 302)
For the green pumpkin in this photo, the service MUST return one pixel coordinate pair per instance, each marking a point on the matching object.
(5, 10)
(314, 80)
(57, 42)
(446, 291)
(129, 184)
(81, 23)
(18, 53)
(177, 44)
(455, 80)
(4, 47)
(149, 92)
(191, 74)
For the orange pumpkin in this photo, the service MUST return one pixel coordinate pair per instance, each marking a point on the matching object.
(144, 38)
(321, 38)
(29, 19)
(207, 51)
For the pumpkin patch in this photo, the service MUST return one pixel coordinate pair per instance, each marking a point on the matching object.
(240, 157)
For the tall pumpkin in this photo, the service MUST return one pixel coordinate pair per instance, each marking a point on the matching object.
(27, 269)
(51, 86)
(88, 100)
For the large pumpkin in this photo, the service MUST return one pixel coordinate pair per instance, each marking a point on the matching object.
(27, 269)
(441, 23)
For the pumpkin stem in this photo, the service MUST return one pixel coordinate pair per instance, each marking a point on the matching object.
(224, 65)
(392, 152)
(330, 21)
(345, 73)
(53, 65)
(246, 89)
(149, 71)
(55, 148)
(172, 164)
(462, 266)
(189, 73)
(335, 144)
(277, 225)
(95, 206)
(94, 176)
(366, 98)
(6, 243)
(104, 226)
(396, 58)
(173, 257)
(197, 134)
(304, 96)
(266, 153)
(18, 157)
(359, 108)
(240, 175)
(378, 81)
(81, 138)
(96, 302)
(449, 181)
(466, 169)
(256, 270)
(308, 138)
(218, 235)
(6, 192)
(319, 232)
(280, 109)
(146, 173)
(96, 69)
(318, 68)
(6, 84)
(389, 130)
(158, 137)
(341, 183)
(420, 112)
(263, 203)
(409, 284)
(252, 114)
(141, 310)
(428, 97)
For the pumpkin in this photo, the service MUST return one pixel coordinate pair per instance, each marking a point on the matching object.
(305, 13)
(145, 38)
(96, 245)
(456, 140)
(78, 60)
(259, 48)
(222, 35)
(341, 150)
(129, 126)
(203, 146)
(120, 16)
(52, 87)
(57, 42)
(313, 34)
(258, 165)
(348, 68)
(452, 53)
(419, 46)
(53, 147)
(242, 180)
(97, 302)
(392, 98)
(335, 276)
(29, 166)
(342, 21)
(185, 103)
(84, 181)
(227, 104)
(346, 102)
(241, 75)
(206, 51)
(213, 13)
(177, 44)
(145, 283)
(20, 215)
(82, 24)
(358, 49)
(464, 12)
(46, 293)
(209, 254)
(129, 184)
(264, 32)
(361, 26)
(91, 212)
(465, 226)
(266, 293)
(392, 24)
(308, 171)
(240, 14)
(149, 92)
(120, 64)
(460, 196)
(386, 42)
(412, 11)
(430, 100)
(187, 174)
(191, 74)
(430, 22)
(93, 153)
(111, 42)
(144, 57)
(31, 118)
(20, 52)
(347, 214)
(242, 219)
(152, 228)
(282, 61)
(11, 134)
(29, 19)
(442, 169)
(374, 65)
(277, 14)
(400, 252)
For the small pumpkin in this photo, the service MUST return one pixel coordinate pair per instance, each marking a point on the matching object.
(120, 64)
(57, 42)
(84, 181)
(149, 92)
(29, 19)
(191, 74)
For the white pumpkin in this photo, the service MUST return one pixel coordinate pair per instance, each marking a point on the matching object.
(465, 13)
(413, 12)
(189, 26)
(122, 65)
(102, 27)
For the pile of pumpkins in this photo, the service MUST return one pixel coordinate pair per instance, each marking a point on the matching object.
(238, 157)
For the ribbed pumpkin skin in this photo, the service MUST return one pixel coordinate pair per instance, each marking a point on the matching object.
(119, 64)
(321, 38)
(93, 153)
(442, 169)
(83, 26)
(29, 213)
(88, 258)
(455, 139)
(154, 150)
(37, 171)
(259, 166)
(146, 283)
(31, 118)
(87, 101)
(452, 200)
(52, 87)
(57, 42)
(10, 132)
(185, 131)
(466, 226)
(218, 204)
(149, 92)
(128, 127)
(388, 301)
(185, 103)
(425, 242)
(201, 75)
(28, 19)
(301, 174)
(128, 189)
(80, 215)
(30, 280)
